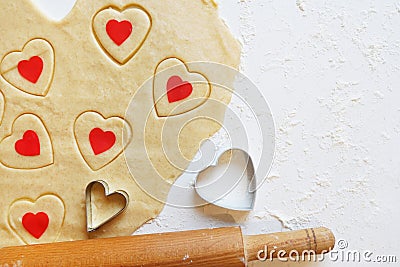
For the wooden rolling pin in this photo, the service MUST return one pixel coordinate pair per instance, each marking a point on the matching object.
(209, 247)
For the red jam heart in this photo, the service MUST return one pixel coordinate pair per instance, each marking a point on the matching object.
(177, 89)
(35, 224)
(31, 69)
(101, 141)
(29, 145)
(119, 31)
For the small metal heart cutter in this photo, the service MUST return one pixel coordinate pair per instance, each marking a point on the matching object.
(102, 206)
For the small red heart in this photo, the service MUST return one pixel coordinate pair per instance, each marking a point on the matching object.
(119, 31)
(29, 145)
(101, 141)
(177, 89)
(31, 69)
(35, 224)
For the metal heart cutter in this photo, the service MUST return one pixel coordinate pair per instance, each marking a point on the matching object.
(102, 206)
(229, 182)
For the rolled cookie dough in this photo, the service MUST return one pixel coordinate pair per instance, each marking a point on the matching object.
(65, 87)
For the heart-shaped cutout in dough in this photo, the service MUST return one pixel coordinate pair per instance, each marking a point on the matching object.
(100, 140)
(30, 70)
(121, 33)
(56, 10)
(37, 221)
(29, 146)
(36, 224)
(102, 205)
(177, 90)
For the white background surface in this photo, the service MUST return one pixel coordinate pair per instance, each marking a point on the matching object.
(331, 73)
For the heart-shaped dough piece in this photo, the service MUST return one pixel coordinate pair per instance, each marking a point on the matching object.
(177, 90)
(30, 70)
(102, 205)
(29, 145)
(37, 221)
(99, 139)
(121, 33)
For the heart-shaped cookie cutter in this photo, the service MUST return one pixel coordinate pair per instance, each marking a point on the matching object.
(235, 187)
(91, 225)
